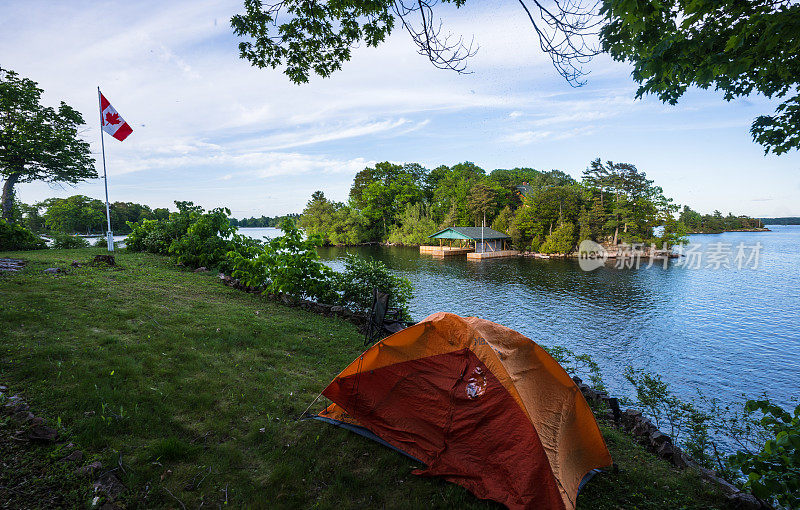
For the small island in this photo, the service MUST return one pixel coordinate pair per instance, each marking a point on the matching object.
(717, 223)
(534, 212)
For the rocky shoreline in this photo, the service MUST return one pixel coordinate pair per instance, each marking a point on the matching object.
(763, 229)
(633, 422)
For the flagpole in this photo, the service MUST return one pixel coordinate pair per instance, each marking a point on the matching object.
(109, 234)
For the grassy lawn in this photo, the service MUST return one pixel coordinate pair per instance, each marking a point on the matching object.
(191, 389)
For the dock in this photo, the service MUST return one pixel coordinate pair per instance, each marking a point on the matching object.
(445, 251)
(492, 254)
(477, 243)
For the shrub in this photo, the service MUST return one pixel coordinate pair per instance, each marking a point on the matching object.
(562, 240)
(688, 425)
(360, 276)
(15, 237)
(249, 265)
(191, 236)
(156, 236)
(153, 236)
(773, 473)
(239, 244)
(657, 401)
(766, 436)
(581, 365)
(102, 242)
(290, 264)
(287, 264)
(207, 239)
(67, 242)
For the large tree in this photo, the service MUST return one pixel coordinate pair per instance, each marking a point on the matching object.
(38, 143)
(634, 204)
(450, 202)
(77, 213)
(318, 36)
(482, 202)
(739, 47)
(318, 216)
(382, 192)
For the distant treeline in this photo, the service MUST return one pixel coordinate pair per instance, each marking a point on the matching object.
(716, 223)
(264, 221)
(789, 220)
(81, 214)
(547, 211)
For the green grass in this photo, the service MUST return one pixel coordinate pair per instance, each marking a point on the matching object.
(173, 377)
(34, 477)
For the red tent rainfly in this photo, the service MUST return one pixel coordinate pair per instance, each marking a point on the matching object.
(113, 124)
(478, 404)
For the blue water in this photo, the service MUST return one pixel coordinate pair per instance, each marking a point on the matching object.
(726, 332)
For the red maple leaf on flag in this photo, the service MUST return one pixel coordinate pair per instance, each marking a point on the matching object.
(112, 118)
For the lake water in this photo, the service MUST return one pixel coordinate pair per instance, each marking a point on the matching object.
(724, 331)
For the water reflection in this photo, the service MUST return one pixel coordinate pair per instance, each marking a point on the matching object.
(726, 331)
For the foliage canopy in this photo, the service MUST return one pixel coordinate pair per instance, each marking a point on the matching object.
(736, 47)
(38, 142)
(310, 36)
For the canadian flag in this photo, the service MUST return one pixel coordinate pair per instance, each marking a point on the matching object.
(113, 124)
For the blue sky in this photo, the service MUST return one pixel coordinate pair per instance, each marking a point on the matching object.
(212, 129)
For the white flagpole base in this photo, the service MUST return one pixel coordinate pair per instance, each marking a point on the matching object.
(110, 240)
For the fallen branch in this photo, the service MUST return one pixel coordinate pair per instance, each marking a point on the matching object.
(175, 498)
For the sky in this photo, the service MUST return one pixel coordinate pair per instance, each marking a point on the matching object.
(209, 128)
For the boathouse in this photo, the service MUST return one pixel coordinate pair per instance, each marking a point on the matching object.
(476, 242)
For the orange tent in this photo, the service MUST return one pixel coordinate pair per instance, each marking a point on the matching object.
(480, 405)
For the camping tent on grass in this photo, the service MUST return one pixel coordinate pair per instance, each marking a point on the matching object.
(479, 404)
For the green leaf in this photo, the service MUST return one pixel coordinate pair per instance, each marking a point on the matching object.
(733, 42)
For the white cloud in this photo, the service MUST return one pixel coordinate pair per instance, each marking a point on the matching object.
(207, 123)
(526, 137)
(328, 133)
(529, 137)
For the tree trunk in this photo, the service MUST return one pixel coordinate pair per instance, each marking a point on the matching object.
(7, 201)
